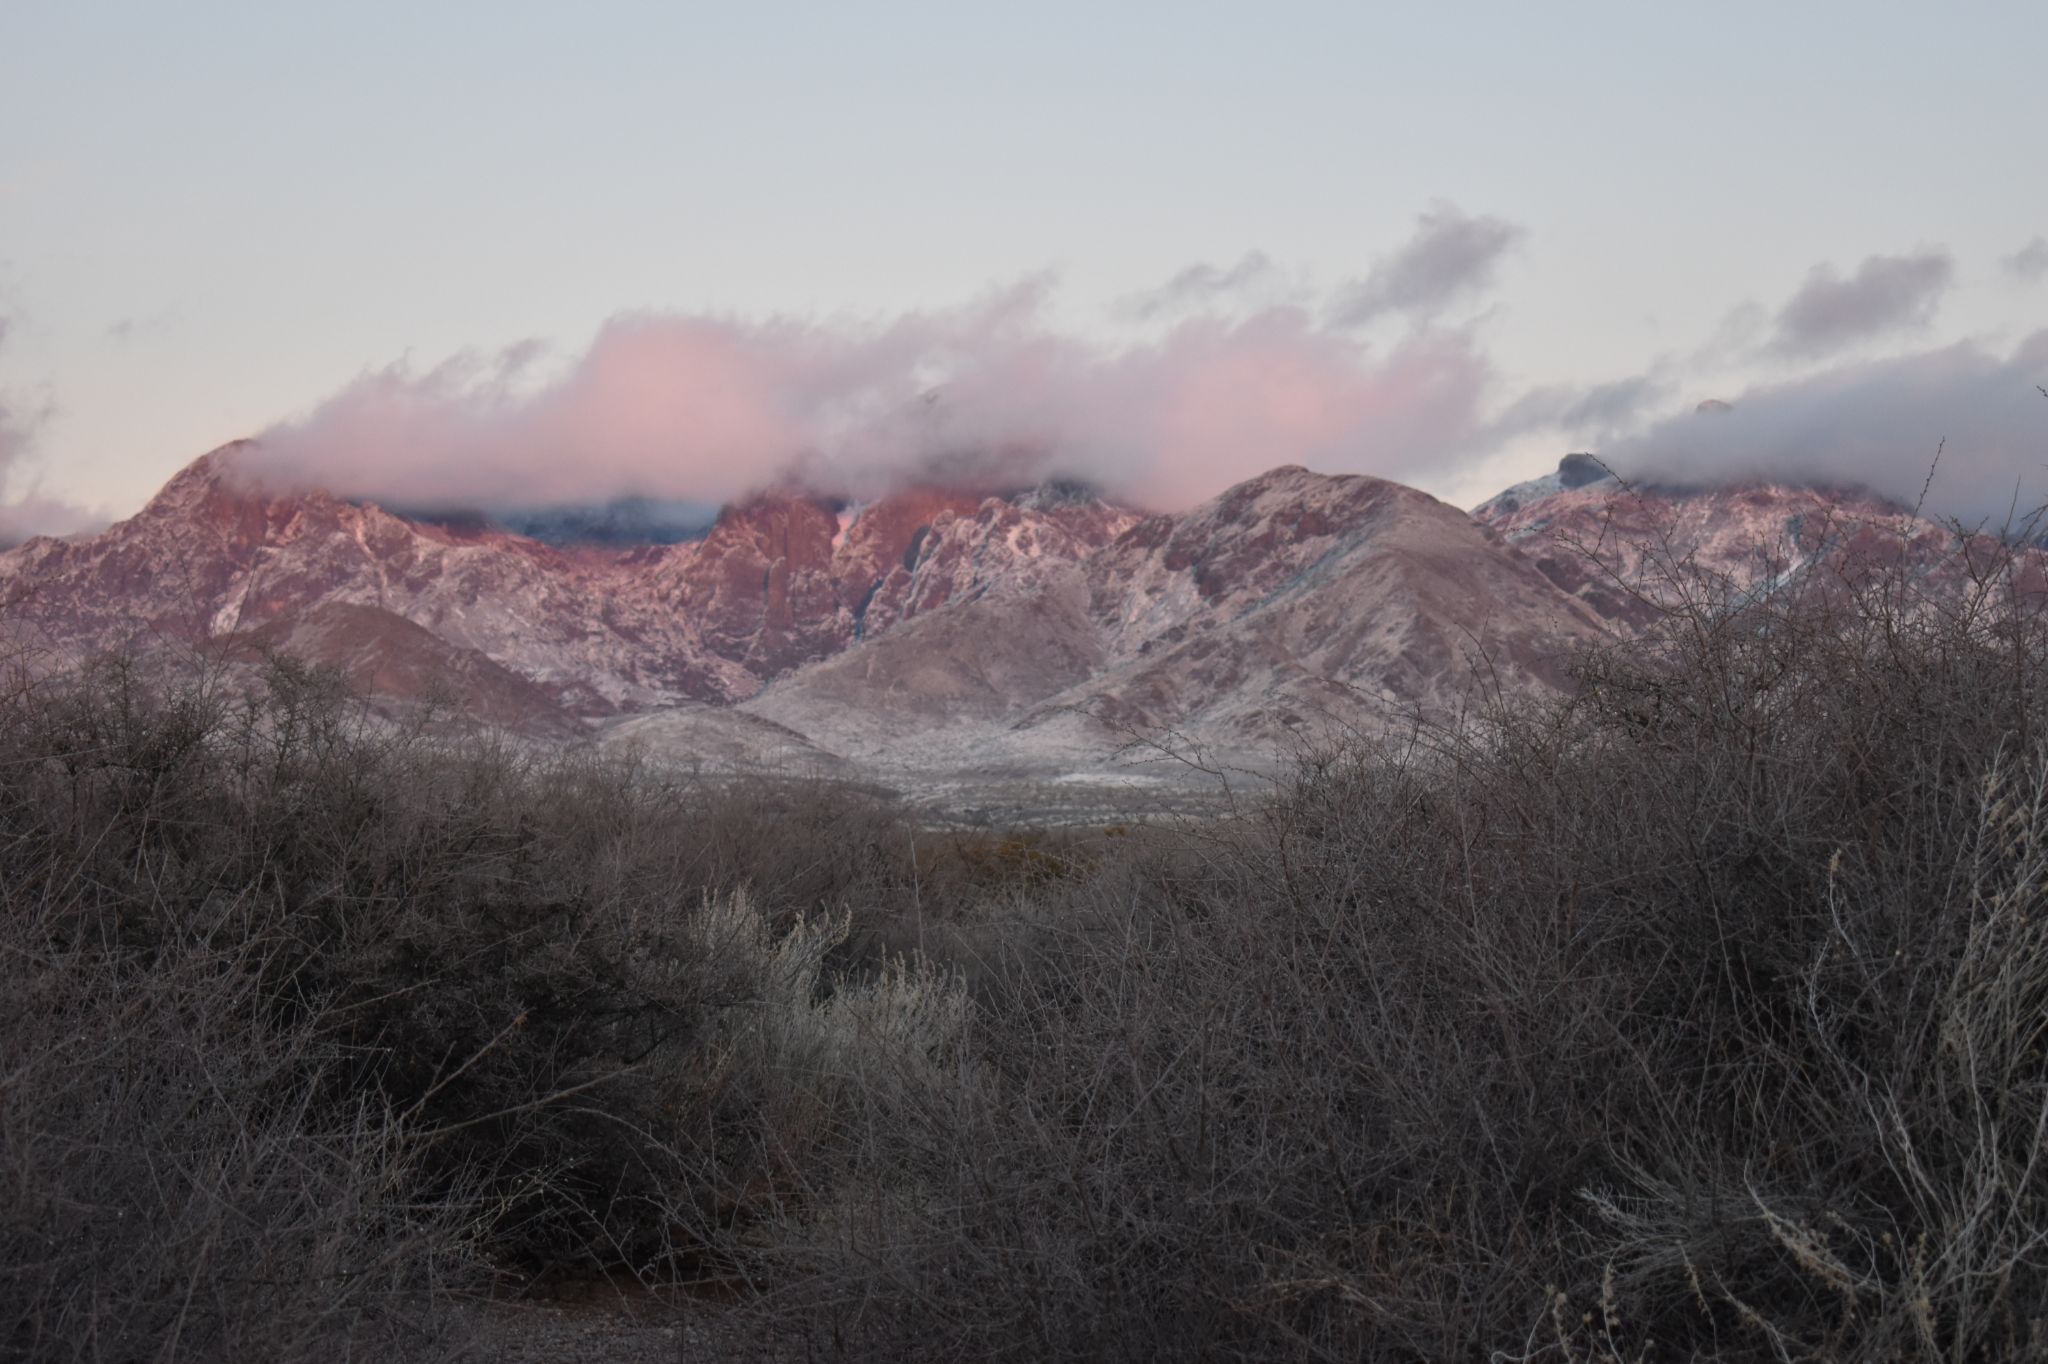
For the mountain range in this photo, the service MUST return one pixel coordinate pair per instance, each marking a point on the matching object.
(1035, 632)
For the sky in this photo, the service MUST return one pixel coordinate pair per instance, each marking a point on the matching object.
(515, 252)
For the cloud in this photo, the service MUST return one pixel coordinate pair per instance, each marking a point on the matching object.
(1886, 295)
(1875, 424)
(1584, 412)
(1202, 285)
(2030, 262)
(15, 434)
(1602, 408)
(706, 409)
(24, 510)
(1735, 340)
(31, 514)
(1450, 257)
(142, 328)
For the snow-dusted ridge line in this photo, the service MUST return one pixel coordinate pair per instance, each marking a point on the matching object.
(930, 627)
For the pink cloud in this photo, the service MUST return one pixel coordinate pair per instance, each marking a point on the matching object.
(708, 408)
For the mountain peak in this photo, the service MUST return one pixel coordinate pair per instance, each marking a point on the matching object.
(1577, 470)
(1292, 585)
(1574, 471)
(1059, 492)
(218, 493)
(212, 474)
(225, 482)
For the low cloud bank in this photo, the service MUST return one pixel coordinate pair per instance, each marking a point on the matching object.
(1875, 425)
(1241, 367)
(31, 514)
(989, 395)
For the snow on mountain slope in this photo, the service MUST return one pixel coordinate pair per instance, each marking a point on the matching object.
(212, 559)
(977, 662)
(1292, 603)
(777, 583)
(1573, 471)
(938, 629)
(1627, 552)
(723, 738)
(381, 654)
(1296, 601)
(938, 625)
(1021, 544)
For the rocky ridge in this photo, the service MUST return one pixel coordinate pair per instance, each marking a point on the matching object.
(1628, 552)
(215, 562)
(942, 629)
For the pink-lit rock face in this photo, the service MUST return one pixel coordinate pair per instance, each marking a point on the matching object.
(1291, 605)
(1019, 544)
(779, 581)
(760, 589)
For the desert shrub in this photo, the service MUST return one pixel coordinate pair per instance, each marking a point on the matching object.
(309, 1016)
(806, 1049)
(174, 1183)
(1697, 1014)
(187, 1173)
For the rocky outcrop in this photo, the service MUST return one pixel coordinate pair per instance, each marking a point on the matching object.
(1291, 606)
(781, 581)
(1629, 552)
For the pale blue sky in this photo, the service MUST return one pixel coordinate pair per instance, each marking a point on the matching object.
(214, 215)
